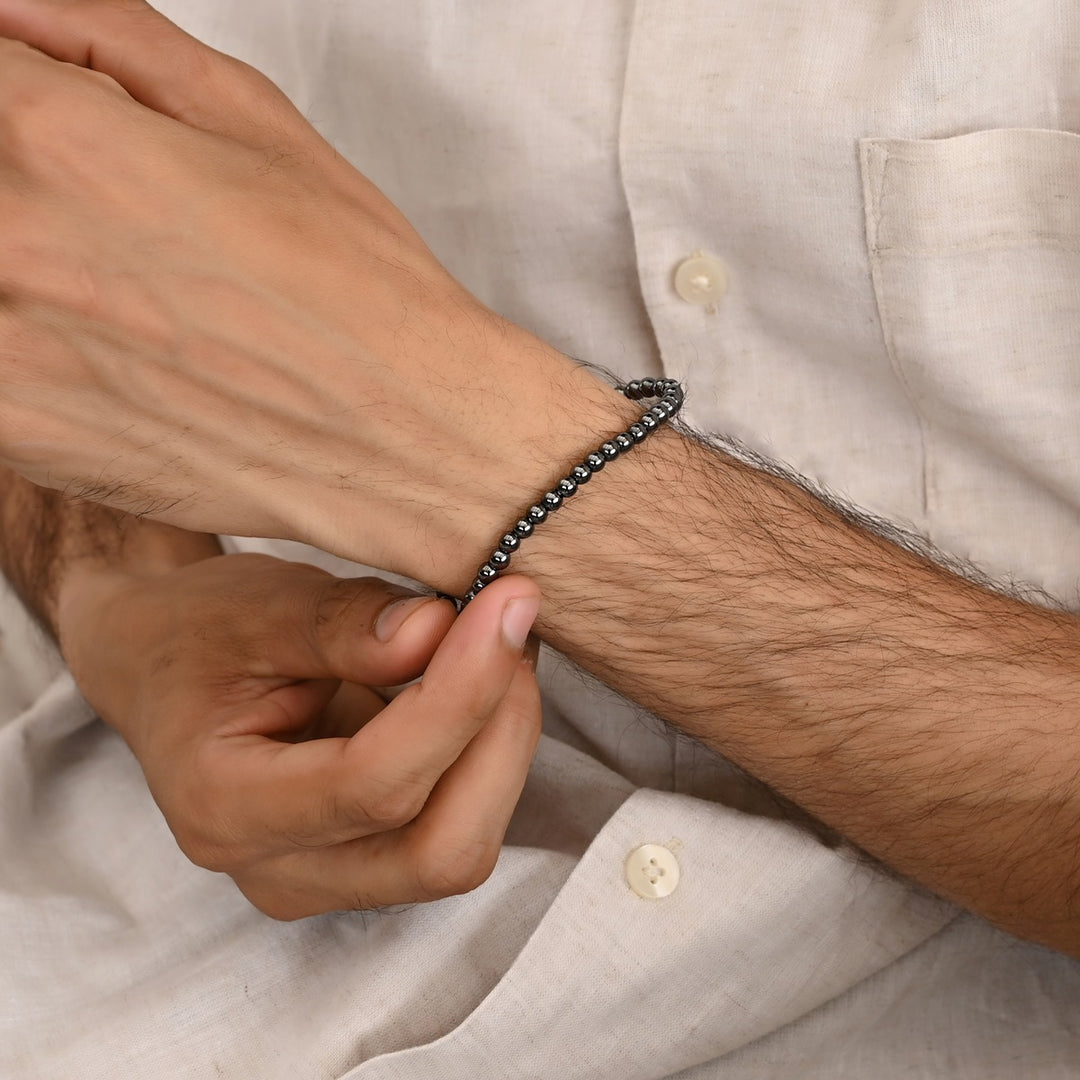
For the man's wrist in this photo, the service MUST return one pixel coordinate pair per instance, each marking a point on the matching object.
(664, 398)
(533, 415)
(51, 547)
(612, 534)
(123, 550)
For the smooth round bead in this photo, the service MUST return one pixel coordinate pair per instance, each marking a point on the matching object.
(670, 394)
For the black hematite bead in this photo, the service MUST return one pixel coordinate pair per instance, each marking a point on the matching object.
(669, 394)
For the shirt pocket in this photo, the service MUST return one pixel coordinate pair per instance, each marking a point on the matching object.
(974, 245)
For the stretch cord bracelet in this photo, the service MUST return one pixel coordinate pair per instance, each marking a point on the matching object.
(669, 395)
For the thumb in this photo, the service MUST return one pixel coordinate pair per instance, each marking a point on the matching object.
(160, 66)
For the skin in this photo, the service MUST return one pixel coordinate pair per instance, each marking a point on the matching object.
(928, 719)
(247, 688)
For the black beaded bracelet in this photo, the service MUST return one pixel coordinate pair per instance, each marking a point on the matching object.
(670, 398)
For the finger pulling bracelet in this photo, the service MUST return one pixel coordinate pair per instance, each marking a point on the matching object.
(669, 395)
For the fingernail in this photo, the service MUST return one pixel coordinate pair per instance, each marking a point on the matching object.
(517, 619)
(393, 615)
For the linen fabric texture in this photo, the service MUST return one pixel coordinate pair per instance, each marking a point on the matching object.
(894, 189)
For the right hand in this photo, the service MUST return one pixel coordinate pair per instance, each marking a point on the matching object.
(243, 684)
(208, 317)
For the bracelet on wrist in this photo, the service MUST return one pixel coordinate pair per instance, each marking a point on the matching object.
(669, 395)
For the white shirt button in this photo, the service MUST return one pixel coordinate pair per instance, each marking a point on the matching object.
(701, 279)
(652, 871)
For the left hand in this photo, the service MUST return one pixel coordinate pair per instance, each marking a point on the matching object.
(243, 685)
(210, 318)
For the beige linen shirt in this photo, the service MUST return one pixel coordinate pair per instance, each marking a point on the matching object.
(888, 194)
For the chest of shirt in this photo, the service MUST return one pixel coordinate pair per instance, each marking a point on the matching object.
(898, 317)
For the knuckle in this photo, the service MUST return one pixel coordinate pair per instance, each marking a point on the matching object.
(102, 81)
(12, 49)
(203, 850)
(46, 116)
(240, 72)
(283, 910)
(256, 93)
(205, 837)
(396, 806)
(276, 905)
(451, 868)
(30, 113)
(284, 913)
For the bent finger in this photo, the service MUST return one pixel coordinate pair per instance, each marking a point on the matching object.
(160, 65)
(455, 841)
(451, 847)
(412, 742)
(313, 625)
(280, 797)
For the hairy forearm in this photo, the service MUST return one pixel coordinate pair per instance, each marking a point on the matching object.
(48, 542)
(929, 719)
